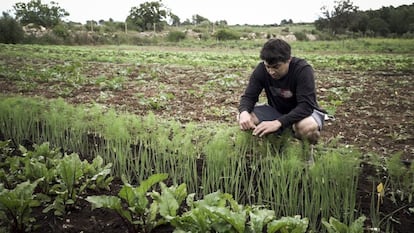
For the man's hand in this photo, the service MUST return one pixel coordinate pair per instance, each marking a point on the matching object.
(266, 127)
(246, 121)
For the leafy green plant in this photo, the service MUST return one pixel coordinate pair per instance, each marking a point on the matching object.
(335, 226)
(216, 212)
(157, 102)
(98, 174)
(110, 83)
(219, 212)
(133, 205)
(73, 176)
(17, 205)
(288, 225)
(30, 165)
(259, 218)
(69, 175)
(9, 166)
(167, 203)
(4, 149)
(40, 163)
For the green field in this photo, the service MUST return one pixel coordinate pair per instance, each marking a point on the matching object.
(171, 109)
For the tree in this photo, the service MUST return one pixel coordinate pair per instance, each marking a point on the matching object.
(11, 31)
(91, 25)
(197, 19)
(360, 22)
(175, 20)
(400, 19)
(378, 26)
(39, 14)
(340, 18)
(285, 22)
(148, 16)
(110, 25)
(381, 22)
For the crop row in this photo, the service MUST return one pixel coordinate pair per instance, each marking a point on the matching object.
(206, 158)
(234, 59)
(45, 177)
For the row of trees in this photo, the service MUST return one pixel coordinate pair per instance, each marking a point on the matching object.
(154, 16)
(39, 14)
(345, 17)
(148, 16)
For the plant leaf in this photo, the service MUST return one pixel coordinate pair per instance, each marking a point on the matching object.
(109, 202)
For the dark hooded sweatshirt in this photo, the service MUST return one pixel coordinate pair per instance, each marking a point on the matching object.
(293, 95)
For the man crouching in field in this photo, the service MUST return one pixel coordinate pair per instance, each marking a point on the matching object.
(289, 85)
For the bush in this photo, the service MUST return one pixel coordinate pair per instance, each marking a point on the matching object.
(61, 31)
(83, 38)
(175, 36)
(49, 39)
(226, 34)
(11, 31)
(301, 36)
(408, 35)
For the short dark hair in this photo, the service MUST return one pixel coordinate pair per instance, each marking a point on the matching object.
(275, 51)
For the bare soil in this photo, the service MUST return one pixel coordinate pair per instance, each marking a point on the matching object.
(375, 116)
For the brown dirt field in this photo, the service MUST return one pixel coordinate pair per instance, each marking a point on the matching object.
(376, 116)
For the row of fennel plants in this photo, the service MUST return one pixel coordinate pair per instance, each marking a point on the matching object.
(142, 207)
(206, 157)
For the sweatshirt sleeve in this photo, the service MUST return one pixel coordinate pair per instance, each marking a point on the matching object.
(252, 91)
(305, 98)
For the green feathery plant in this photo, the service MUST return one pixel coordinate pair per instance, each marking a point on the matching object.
(279, 180)
(270, 171)
(401, 178)
(332, 179)
(19, 118)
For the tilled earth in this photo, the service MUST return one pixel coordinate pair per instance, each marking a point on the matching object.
(373, 111)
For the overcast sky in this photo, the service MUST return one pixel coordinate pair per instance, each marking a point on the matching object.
(233, 11)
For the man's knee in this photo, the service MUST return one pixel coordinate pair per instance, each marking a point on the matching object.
(307, 128)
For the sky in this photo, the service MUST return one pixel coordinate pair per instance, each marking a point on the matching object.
(253, 12)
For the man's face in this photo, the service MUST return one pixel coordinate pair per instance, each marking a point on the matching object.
(277, 70)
